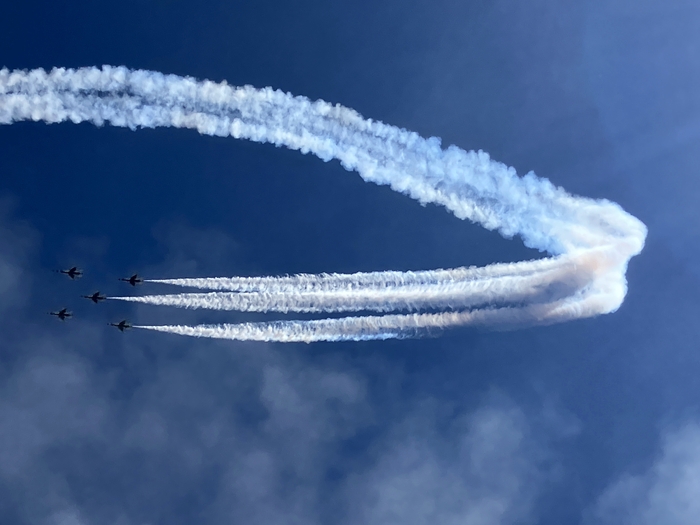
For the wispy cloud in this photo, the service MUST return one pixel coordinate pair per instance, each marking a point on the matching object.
(667, 492)
(191, 431)
(19, 241)
(486, 472)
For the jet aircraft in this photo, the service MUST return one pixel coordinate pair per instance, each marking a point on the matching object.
(133, 280)
(121, 325)
(62, 314)
(96, 297)
(73, 273)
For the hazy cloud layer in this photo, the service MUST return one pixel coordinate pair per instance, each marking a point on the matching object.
(96, 427)
(249, 439)
(666, 493)
(17, 242)
(100, 428)
(485, 472)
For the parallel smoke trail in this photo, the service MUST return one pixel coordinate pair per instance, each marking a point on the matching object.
(543, 286)
(387, 326)
(354, 281)
(593, 240)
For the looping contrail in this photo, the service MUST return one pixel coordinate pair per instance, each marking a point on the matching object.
(591, 241)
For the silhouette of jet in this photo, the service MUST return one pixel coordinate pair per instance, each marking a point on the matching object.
(122, 325)
(62, 314)
(96, 297)
(73, 273)
(133, 280)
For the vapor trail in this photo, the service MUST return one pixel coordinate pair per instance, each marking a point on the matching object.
(335, 281)
(536, 287)
(388, 326)
(592, 241)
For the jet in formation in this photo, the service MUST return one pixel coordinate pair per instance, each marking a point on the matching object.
(133, 280)
(73, 273)
(121, 325)
(62, 314)
(96, 297)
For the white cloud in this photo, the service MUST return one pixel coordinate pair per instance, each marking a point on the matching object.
(667, 493)
(17, 242)
(46, 401)
(131, 429)
(486, 469)
(66, 517)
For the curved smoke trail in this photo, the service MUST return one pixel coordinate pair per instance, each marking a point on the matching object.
(591, 241)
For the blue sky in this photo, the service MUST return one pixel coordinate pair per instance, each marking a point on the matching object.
(594, 421)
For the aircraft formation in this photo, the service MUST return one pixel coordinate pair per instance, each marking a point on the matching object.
(96, 297)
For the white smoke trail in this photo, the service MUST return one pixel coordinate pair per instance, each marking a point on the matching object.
(391, 326)
(335, 281)
(595, 238)
(537, 287)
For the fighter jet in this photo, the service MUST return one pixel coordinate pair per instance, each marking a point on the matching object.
(62, 314)
(96, 297)
(73, 273)
(122, 325)
(133, 280)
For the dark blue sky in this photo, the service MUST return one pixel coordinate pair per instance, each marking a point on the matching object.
(594, 421)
